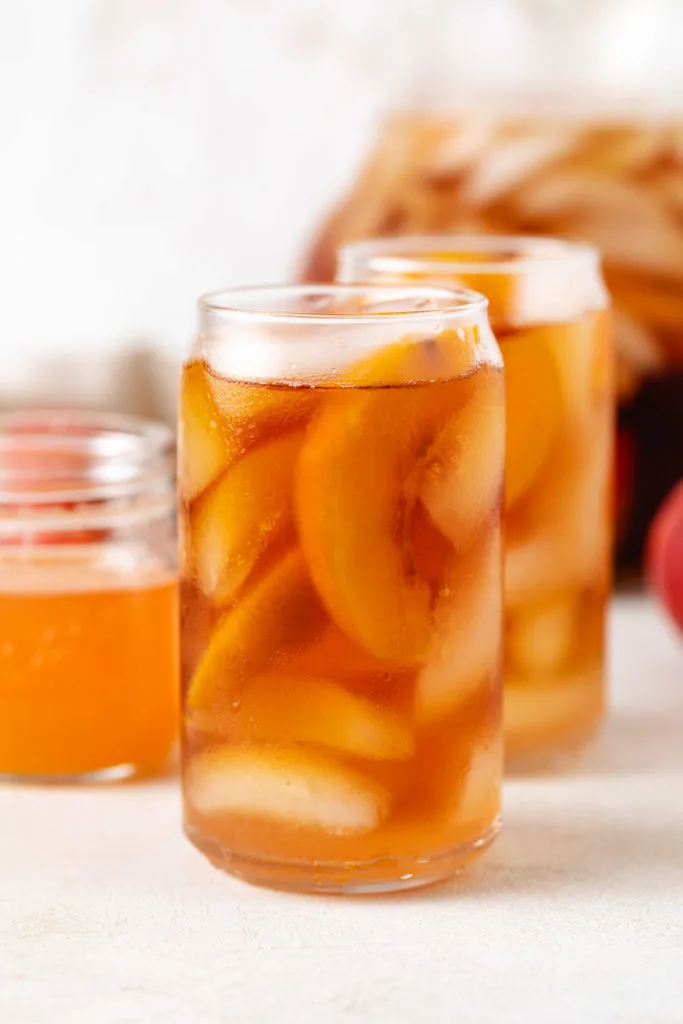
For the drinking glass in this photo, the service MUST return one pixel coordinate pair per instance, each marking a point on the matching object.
(549, 310)
(341, 474)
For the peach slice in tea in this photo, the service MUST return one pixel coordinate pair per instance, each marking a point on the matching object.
(234, 522)
(222, 419)
(445, 357)
(356, 493)
(463, 475)
(287, 785)
(539, 637)
(465, 652)
(533, 397)
(281, 609)
(288, 708)
(353, 506)
(203, 444)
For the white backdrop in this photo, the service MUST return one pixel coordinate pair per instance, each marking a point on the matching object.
(153, 149)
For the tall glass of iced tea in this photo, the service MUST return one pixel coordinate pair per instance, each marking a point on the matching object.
(341, 475)
(549, 311)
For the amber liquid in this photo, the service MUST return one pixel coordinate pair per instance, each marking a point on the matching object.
(559, 397)
(558, 533)
(341, 654)
(88, 679)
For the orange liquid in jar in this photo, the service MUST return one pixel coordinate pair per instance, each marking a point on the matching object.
(341, 654)
(88, 675)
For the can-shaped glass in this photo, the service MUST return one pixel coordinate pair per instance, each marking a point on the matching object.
(88, 596)
(341, 476)
(549, 311)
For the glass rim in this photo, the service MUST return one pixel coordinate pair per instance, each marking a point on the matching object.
(405, 254)
(108, 431)
(243, 303)
(122, 456)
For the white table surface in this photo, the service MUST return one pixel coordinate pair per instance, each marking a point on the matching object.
(576, 915)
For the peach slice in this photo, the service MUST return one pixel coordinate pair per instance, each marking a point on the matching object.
(539, 638)
(463, 477)
(287, 708)
(287, 785)
(533, 404)
(280, 610)
(353, 511)
(443, 357)
(203, 446)
(221, 419)
(236, 519)
(465, 653)
(354, 499)
(356, 491)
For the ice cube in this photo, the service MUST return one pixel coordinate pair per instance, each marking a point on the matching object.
(286, 785)
(295, 708)
(466, 651)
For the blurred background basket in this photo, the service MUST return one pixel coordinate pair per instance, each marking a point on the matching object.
(582, 140)
(153, 151)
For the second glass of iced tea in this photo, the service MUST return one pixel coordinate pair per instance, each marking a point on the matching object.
(548, 309)
(341, 476)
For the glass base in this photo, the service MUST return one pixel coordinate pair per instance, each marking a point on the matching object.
(558, 755)
(117, 773)
(345, 878)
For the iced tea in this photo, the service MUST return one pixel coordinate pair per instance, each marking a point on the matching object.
(341, 474)
(548, 309)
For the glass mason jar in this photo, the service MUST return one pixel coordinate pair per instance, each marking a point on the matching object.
(341, 471)
(88, 597)
(549, 311)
